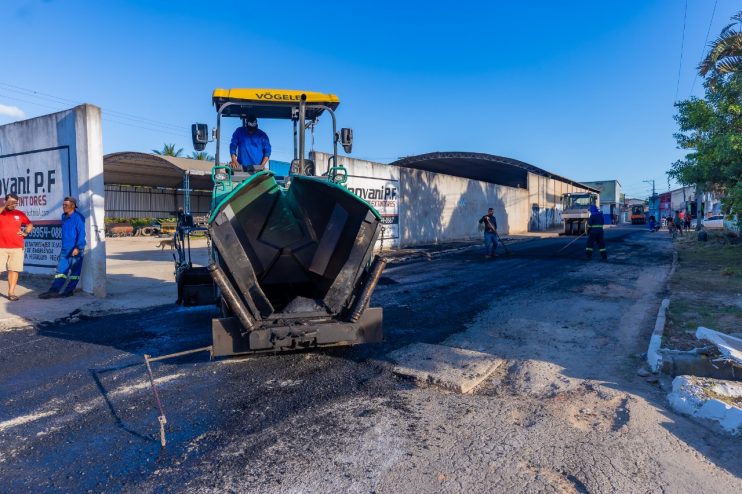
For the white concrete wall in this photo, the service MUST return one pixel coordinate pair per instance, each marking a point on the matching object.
(60, 154)
(440, 208)
(433, 207)
(679, 197)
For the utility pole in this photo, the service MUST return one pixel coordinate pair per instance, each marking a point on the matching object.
(653, 202)
(652, 182)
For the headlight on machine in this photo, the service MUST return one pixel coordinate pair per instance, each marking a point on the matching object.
(221, 176)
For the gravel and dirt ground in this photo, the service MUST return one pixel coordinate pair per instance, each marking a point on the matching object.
(566, 412)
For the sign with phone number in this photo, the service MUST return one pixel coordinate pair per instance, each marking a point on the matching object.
(43, 245)
(383, 195)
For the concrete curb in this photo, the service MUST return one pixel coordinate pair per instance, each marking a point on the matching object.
(654, 355)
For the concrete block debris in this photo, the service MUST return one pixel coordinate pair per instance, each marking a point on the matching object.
(712, 399)
(448, 367)
(729, 346)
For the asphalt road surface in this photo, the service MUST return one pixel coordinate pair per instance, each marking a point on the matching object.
(567, 413)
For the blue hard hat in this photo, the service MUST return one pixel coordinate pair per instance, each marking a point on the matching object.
(593, 208)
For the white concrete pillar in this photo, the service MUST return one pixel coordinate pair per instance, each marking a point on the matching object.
(90, 194)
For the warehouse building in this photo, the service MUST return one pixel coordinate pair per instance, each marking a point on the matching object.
(610, 198)
(439, 197)
(429, 198)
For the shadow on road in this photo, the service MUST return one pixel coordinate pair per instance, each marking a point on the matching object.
(155, 331)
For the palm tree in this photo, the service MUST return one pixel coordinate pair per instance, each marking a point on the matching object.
(203, 155)
(725, 53)
(168, 150)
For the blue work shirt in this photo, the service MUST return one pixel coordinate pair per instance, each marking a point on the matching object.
(596, 220)
(250, 148)
(73, 232)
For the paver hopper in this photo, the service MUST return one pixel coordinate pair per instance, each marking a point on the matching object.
(292, 262)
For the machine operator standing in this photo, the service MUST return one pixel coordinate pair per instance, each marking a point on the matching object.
(594, 227)
(250, 147)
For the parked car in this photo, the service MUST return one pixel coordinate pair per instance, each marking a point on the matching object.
(713, 222)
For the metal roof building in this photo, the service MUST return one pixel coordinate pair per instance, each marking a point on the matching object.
(146, 185)
(482, 167)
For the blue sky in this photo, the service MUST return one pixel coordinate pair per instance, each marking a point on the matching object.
(581, 88)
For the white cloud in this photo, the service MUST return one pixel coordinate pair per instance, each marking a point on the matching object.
(11, 111)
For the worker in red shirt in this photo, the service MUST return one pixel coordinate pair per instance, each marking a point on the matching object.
(14, 228)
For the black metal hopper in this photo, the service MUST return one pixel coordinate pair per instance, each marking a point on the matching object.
(294, 266)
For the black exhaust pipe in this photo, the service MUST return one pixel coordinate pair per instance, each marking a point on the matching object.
(231, 296)
(368, 289)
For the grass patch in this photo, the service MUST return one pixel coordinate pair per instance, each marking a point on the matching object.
(705, 291)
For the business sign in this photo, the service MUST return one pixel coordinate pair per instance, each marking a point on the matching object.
(41, 178)
(383, 195)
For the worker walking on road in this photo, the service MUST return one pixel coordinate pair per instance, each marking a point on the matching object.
(490, 233)
(594, 227)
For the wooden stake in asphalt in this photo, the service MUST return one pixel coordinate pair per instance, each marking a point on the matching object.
(162, 419)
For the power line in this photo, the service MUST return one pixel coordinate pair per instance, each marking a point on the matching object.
(104, 116)
(682, 45)
(115, 113)
(703, 52)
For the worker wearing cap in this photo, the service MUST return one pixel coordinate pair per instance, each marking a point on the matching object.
(69, 265)
(594, 227)
(250, 147)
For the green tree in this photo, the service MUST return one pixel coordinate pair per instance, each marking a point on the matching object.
(725, 53)
(202, 155)
(168, 150)
(711, 129)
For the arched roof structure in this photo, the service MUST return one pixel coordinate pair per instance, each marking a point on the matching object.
(152, 170)
(480, 166)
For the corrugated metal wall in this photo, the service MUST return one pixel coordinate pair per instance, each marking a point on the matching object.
(124, 201)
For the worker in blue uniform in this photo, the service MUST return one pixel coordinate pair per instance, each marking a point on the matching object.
(69, 265)
(250, 147)
(594, 227)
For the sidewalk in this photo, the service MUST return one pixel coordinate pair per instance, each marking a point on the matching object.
(139, 275)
